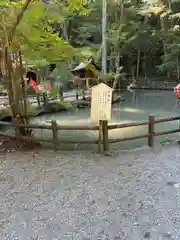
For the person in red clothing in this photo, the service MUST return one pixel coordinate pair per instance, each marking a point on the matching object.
(177, 93)
(33, 84)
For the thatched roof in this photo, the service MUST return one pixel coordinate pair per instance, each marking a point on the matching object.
(83, 70)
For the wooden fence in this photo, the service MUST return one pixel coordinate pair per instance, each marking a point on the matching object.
(103, 128)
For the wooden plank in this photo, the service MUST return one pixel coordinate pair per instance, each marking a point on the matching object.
(38, 126)
(162, 120)
(35, 126)
(141, 123)
(34, 139)
(127, 138)
(85, 127)
(166, 132)
(100, 137)
(151, 130)
(125, 125)
(105, 135)
(78, 141)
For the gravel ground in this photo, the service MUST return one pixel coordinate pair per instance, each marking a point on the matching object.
(130, 195)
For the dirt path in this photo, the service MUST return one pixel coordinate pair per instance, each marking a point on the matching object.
(49, 196)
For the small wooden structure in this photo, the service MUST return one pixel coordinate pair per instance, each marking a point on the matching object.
(85, 74)
(84, 69)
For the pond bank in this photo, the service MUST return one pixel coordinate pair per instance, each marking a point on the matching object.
(159, 84)
(151, 88)
(53, 106)
(34, 110)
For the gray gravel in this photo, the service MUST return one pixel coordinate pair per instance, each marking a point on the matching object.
(131, 195)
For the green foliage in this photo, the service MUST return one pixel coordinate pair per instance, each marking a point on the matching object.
(148, 31)
(60, 75)
(34, 35)
(141, 36)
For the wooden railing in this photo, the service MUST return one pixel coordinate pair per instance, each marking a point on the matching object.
(103, 128)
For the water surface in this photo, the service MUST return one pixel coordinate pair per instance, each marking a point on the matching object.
(138, 105)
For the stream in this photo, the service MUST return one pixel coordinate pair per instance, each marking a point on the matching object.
(138, 105)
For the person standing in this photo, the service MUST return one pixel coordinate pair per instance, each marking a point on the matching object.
(177, 93)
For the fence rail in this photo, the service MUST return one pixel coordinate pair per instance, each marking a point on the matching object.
(103, 128)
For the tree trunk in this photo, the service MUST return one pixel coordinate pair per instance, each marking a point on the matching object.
(104, 37)
(117, 62)
(133, 76)
(14, 100)
(116, 80)
(138, 62)
(117, 48)
(169, 5)
(111, 63)
(122, 11)
(18, 20)
(65, 29)
(165, 26)
(145, 68)
(13, 74)
(117, 77)
(9, 76)
(24, 91)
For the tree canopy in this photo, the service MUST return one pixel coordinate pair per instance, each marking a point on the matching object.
(35, 36)
(142, 36)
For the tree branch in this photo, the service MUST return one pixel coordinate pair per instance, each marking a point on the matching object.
(18, 20)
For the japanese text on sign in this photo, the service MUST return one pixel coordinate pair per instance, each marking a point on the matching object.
(101, 102)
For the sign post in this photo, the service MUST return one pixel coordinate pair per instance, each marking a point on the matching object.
(101, 102)
(101, 108)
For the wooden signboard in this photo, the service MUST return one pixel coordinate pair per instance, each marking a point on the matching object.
(101, 102)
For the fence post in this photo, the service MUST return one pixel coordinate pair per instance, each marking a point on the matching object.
(105, 135)
(151, 130)
(55, 134)
(77, 95)
(100, 137)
